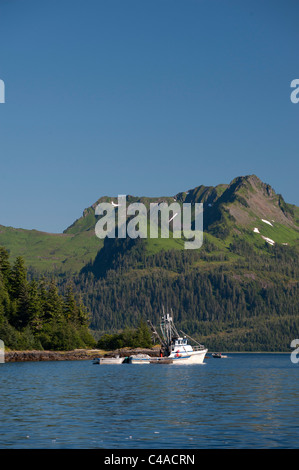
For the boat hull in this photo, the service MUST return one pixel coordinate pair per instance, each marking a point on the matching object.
(139, 359)
(161, 360)
(195, 357)
(111, 360)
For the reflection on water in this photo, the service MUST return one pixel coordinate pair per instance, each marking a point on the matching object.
(245, 401)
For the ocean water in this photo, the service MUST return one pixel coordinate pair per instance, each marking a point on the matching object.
(244, 401)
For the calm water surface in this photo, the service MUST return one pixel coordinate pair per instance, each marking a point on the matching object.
(244, 401)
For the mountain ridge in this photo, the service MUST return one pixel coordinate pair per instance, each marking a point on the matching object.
(218, 195)
(237, 208)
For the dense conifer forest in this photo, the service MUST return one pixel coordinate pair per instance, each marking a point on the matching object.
(34, 315)
(248, 302)
(244, 300)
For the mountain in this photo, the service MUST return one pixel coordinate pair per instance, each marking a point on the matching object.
(239, 291)
(246, 207)
(244, 204)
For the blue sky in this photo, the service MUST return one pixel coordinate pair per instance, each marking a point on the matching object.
(143, 97)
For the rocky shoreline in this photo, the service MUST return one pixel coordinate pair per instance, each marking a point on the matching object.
(76, 355)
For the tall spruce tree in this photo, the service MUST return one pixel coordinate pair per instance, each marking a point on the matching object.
(35, 311)
(4, 266)
(54, 303)
(69, 305)
(18, 277)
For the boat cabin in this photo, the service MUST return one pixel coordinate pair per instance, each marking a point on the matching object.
(181, 344)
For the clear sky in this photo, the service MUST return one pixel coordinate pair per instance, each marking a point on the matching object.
(142, 97)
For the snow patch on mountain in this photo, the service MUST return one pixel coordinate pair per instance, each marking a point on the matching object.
(267, 222)
(268, 240)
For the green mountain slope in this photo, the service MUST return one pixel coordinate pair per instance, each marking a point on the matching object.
(237, 208)
(53, 253)
(239, 291)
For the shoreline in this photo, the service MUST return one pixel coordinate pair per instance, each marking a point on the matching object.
(90, 354)
(75, 355)
(37, 356)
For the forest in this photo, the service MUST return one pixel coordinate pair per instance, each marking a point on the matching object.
(246, 299)
(34, 315)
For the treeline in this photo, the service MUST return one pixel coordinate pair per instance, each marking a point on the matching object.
(130, 337)
(249, 302)
(33, 315)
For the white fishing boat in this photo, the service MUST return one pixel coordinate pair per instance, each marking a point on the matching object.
(176, 347)
(139, 359)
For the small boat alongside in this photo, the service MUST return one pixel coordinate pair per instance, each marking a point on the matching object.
(139, 359)
(109, 360)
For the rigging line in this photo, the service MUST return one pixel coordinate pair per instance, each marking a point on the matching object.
(191, 338)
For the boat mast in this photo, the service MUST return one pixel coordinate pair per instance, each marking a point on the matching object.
(168, 329)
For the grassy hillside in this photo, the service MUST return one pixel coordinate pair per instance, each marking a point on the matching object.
(53, 253)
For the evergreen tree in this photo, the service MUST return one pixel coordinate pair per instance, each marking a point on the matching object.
(53, 306)
(4, 266)
(4, 299)
(35, 312)
(83, 316)
(18, 278)
(18, 289)
(69, 306)
(143, 335)
(22, 315)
